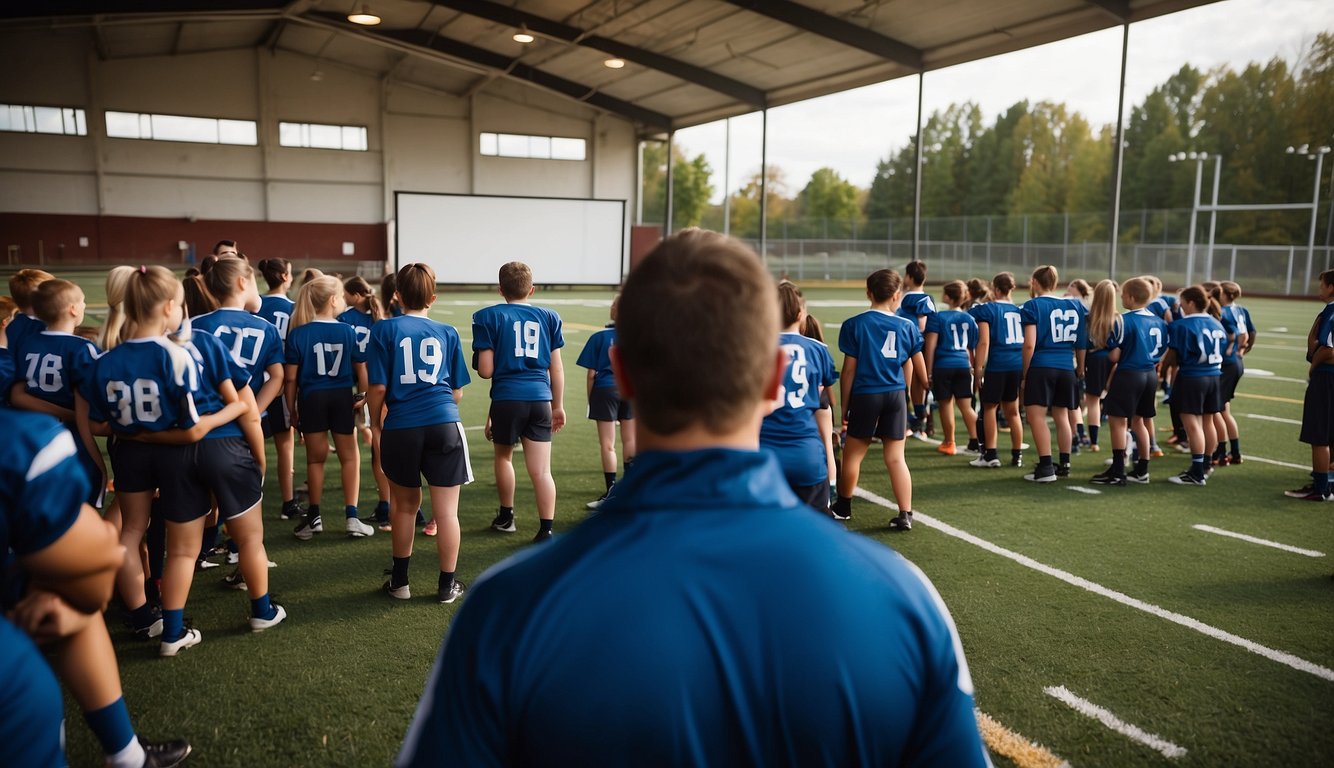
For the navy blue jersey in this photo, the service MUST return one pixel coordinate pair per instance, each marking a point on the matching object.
(882, 343)
(324, 352)
(1164, 305)
(21, 327)
(1325, 337)
(523, 338)
(1245, 316)
(144, 385)
(705, 663)
(42, 484)
(1005, 334)
(916, 304)
(361, 323)
(216, 365)
(6, 375)
(1141, 337)
(278, 311)
(1199, 341)
(420, 363)
(254, 342)
(1060, 330)
(55, 365)
(596, 357)
(1234, 325)
(956, 336)
(790, 431)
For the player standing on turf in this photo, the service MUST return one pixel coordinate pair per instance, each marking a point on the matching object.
(1195, 348)
(1054, 333)
(916, 306)
(999, 366)
(1135, 345)
(606, 407)
(951, 340)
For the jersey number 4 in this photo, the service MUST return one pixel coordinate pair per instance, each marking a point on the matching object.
(431, 357)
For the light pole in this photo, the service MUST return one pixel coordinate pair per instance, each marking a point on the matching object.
(1318, 155)
(1199, 158)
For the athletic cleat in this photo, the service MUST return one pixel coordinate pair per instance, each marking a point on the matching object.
(149, 632)
(985, 463)
(455, 591)
(1235, 458)
(839, 514)
(1107, 478)
(901, 523)
(259, 625)
(165, 754)
(949, 449)
(307, 528)
(291, 511)
(429, 529)
(1063, 470)
(1135, 477)
(1181, 447)
(204, 565)
(190, 639)
(1300, 493)
(403, 592)
(542, 536)
(972, 451)
(1313, 496)
(1045, 474)
(595, 503)
(234, 580)
(504, 524)
(1095, 447)
(1017, 462)
(357, 529)
(386, 526)
(233, 558)
(1157, 452)
(1186, 478)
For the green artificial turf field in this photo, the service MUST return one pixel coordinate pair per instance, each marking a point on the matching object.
(1210, 648)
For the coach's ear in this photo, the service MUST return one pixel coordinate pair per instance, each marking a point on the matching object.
(623, 386)
(776, 377)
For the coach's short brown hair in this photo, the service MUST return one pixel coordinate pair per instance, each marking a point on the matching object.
(696, 333)
(51, 298)
(24, 282)
(516, 280)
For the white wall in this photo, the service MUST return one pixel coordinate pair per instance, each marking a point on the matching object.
(419, 139)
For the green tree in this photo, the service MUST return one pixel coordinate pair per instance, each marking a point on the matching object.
(828, 198)
(691, 187)
(745, 203)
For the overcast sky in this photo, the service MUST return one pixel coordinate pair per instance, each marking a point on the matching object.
(1082, 72)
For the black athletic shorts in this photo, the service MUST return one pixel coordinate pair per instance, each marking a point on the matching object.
(949, 383)
(814, 496)
(512, 419)
(882, 414)
(168, 469)
(1051, 387)
(1000, 386)
(1318, 410)
(277, 419)
(1096, 369)
(1227, 383)
(225, 466)
(438, 452)
(605, 404)
(1196, 395)
(326, 410)
(1132, 393)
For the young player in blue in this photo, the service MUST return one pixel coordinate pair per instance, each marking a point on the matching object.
(276, 308)
(53, 364)
(21, 287)
(1135, 344)
(517, 346)
(791, 430)
(417, 371)
(1195, 347)
(605, 406)
(705, 663)
(950, 342)
(1098, 364)
(1317, 428)
(916, 306)
(881, 352)
(323, 361)
(998, 367)
(1234, 322)
(363, 311)
(1054, 334)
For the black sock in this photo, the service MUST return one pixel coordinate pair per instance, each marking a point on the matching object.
(446, 580)
(628, 462)
(507, 512)
(1044, 461)
(400, 576)
(843, 504)
(210, 539)
(1118, 461)
(1079, 428)
(1017, 455)
(1093, 434)
(544, 526)
(972, 444)
(1236, 447)
(1065, 459)
(312, 511)
(610, 478)
(991, 455)
(1141, 466)
(142, 616)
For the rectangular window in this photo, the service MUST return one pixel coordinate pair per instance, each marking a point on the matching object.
(532, 147)
(200, 130)
(317, 136)
(22, 118)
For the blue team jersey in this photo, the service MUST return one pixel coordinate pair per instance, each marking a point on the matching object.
(21, 327)
(55, 365)
(1005, 335)
(882, 343)
(1234, 325)
(1245, 316)
(254, 342)
(278, 311)
(361, 323)
(523, 338)
(137, 387)
(706, 663)
(6, 375)
(1164, 305)
(1199, 341)
(324, 352)
(1141, 337)
(420, 363)
(956, 336)
(790, 431)
(596, 357)
(916, 304)
(1060, 330)
(215, 365)
(1325, 337)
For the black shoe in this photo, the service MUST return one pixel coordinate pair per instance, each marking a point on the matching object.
(1016, 461)
(838, 512)
(164, 754)
(454, 592)
(234, 580)
(901, 523)
(1042, 474)
(307, 528)
(292, 510)
(1186, 478)
(542, 536)
(504, 523)
(1063, 470)
(1135, 476)
(1108, 478)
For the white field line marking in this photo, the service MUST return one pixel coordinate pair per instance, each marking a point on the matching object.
(1025, 752)
(1084, 489)
(1276, 463)
(1282, 657)
(1262, 542)
(1280, 329)
(1134, 733)
(1267, 375)
(1279, 419)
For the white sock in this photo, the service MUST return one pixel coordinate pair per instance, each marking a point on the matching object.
(131, 757)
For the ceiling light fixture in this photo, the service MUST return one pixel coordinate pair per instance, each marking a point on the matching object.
(614, 63)
(523, 36)
(363, 16)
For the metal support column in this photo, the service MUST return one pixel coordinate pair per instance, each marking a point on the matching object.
(1194, 213)
(667, 216)
(1213, 221)
(727, 177)
(1118, 153)
(764, 185)
(917, 170)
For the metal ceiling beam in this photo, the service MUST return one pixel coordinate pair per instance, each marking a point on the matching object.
(1117, 9)
(539, 25)
(418, 39)
(836, 29)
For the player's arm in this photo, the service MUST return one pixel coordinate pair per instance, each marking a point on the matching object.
(845, 377)
(375, 404)
(19, 398)
(912, 367)
(248, 421)
(359, 369)
(591, 375)
(272, 389)
(486, 363)
(982, 353)
(1030, 344)
(557, 371)
(1079, 362)
(81, 565)
(84, 427)
(289, 389)
(932, 338)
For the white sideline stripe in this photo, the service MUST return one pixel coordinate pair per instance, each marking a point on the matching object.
(1276, 463)
(1279, 419)
(1262, 542)
(1084, 489)
(1132, 732)
(1282, 657)
(1280, 329)
(1270, 376)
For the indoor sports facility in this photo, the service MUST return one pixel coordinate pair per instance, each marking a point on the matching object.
(1138, 625)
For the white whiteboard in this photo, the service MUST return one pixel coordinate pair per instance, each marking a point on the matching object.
(466, 238)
